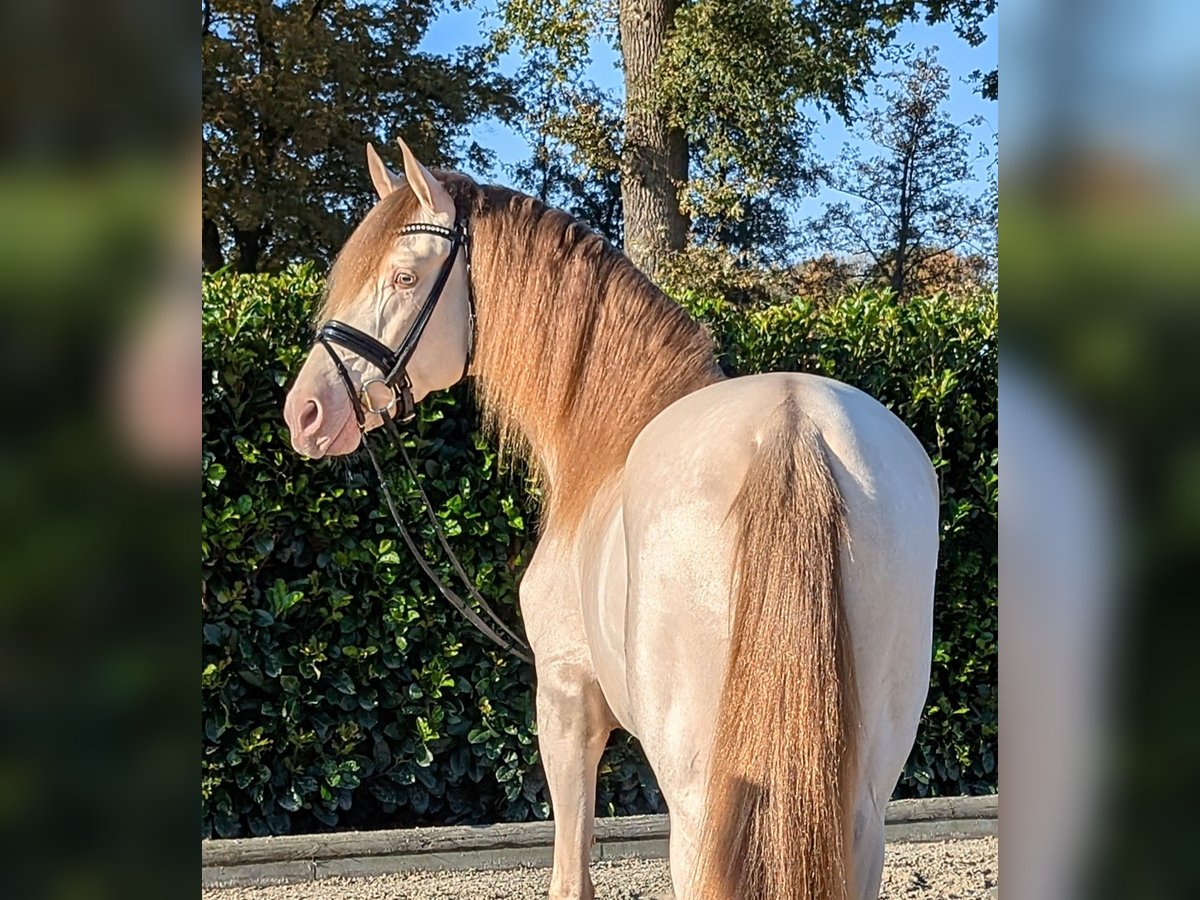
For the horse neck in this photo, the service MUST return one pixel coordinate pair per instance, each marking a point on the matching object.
(577, 350)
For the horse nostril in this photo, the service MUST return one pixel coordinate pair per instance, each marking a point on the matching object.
(310, 418)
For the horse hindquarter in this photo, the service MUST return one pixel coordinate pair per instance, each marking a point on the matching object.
(747, 679)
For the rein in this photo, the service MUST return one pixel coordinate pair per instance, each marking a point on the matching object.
(393, 364)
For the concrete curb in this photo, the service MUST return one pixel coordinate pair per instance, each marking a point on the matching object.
(365, 853)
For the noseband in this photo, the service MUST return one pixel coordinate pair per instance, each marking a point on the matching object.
(393, 364)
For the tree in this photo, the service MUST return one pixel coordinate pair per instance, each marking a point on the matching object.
(293, 89)
(720, 97)
(587, 185)
(826, 279)
(908, 218)
(654, 160)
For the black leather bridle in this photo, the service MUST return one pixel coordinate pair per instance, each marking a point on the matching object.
(393, 365)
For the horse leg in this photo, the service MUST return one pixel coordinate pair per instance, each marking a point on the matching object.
(685, 795)
(573, 729)
(678, 748)
(574, 720)
(687, 825)
(868, 847)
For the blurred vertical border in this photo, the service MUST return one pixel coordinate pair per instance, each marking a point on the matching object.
(100, 365)
(1100, 447)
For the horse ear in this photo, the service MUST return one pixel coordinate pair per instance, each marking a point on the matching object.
(432, 196)
(384, 179)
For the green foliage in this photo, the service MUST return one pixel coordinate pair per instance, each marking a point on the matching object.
(733, 79)
(712, 270)
(562, 29)
(339, 692)
(576, 160)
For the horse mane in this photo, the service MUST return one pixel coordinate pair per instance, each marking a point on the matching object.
(576, 349)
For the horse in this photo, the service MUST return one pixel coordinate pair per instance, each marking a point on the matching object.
(737, 571)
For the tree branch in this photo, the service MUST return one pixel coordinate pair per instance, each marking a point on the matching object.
(317, 7)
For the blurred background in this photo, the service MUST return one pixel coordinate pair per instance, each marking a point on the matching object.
(102, 233)
(1100, 200)
(100, 363)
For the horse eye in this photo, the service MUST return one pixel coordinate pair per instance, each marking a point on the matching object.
(405, 279)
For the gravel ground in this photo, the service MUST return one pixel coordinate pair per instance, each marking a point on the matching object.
(951, 870)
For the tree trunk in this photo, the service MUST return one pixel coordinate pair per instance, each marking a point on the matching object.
(898, 266)
(249, 243)
(900, 263)
(212, 256)
(654, 160)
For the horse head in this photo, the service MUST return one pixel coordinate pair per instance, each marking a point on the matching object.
(397, 321)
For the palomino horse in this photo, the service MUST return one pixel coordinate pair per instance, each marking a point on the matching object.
(738, 571)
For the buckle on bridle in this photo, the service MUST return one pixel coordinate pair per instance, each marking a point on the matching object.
(401, 393)
(367, 402)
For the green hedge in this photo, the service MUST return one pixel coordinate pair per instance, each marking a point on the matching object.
(338, 692)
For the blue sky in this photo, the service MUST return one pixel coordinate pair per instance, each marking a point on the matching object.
(456, 28)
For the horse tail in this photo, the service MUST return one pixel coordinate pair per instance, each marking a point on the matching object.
(780, 789)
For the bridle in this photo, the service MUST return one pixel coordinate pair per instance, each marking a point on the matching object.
(393, 366)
